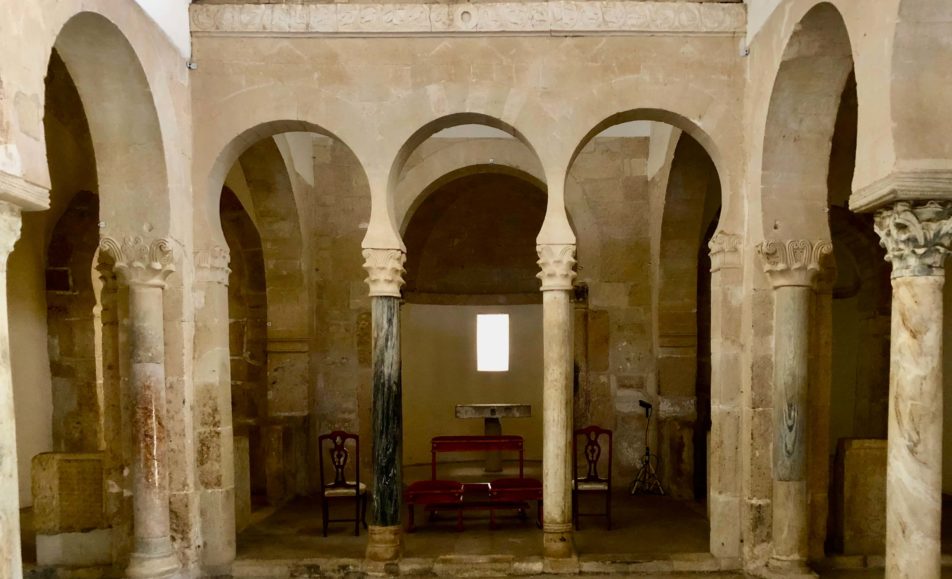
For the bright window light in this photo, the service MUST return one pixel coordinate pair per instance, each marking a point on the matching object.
(492, 342)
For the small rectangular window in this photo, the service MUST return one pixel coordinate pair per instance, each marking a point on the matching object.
(492, 342)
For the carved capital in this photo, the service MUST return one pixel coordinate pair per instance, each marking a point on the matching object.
(137, 261)
(9, 230)
(795, 262)
(211, 265)
(558, 266)
(725, 251)
(917, 236)
(384, 271)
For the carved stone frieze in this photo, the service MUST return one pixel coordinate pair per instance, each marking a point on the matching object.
(384, 271)
(917, 236)
(211, 265)
(725, 250)
(565, 17)
(558, 266)
(138, 261)
(795, 262)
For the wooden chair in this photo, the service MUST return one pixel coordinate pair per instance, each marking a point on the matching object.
(341, 488)
(591, 483)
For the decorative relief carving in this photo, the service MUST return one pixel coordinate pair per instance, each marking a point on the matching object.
(554, 17)
(917, 236)
(211, 265)
(725, 250)
(796, 262)
(9, 230)
(558, 266)
(140, 262)
(384, 271)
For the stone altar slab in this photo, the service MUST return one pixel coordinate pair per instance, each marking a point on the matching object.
(491, 413)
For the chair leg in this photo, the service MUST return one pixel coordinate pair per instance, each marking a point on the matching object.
(357, 516)
(325, 506)
(608, 508)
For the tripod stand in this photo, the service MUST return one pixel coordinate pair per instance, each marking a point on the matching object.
(646, 481)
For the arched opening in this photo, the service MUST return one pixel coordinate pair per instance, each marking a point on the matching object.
(293, 208)
(653, 196)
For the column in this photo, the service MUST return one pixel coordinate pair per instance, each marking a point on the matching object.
(917, 236)
(213, 420)
(143, 265)
(557, 263)
(792, 267)
(724, 486)
(385, 278)
(11, 564)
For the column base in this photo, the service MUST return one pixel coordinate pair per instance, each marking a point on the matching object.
(557, 542)
(788, 568)
(153, 559)
(384, 543)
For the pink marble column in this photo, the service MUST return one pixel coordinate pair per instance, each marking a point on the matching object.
(557, 263)
(11, 564)
(792, 267)
(143, 265)
(917, 237)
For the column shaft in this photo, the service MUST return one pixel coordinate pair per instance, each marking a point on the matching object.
(387, 430)
(557, 424)
(724, 486)
(791, 375)
(11, 564)
(213, 418)
(914, 466)
(152, 555)
(818, 453)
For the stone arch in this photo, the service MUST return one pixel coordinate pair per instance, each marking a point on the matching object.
(208, 193)
(123, 122)
(801, 118)
(418, 137)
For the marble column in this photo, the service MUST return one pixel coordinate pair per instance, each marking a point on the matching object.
(11, 564)
(385, 278)
(213, 420)
(917, 237)
(724, 486)
(557, 263)
(143, 265)
(792, 267)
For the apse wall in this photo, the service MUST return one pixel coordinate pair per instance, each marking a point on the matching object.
(439, 371)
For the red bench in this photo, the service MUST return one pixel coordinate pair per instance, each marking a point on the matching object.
(444, 495)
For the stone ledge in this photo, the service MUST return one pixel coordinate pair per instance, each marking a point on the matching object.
(555, 17)
(908, 185)
(25, 195)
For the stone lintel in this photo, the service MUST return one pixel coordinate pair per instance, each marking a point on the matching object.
(908, 185)
(22, 193)
(539, 18)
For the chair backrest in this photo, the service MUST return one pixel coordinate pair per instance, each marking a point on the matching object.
(596, 441)
(339, 455)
